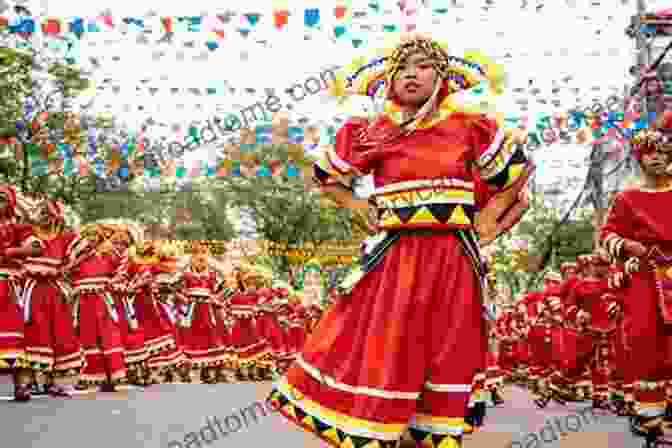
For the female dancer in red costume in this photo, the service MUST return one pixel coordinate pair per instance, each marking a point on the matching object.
(203, 345)
(96, 316)
(50, 333)
(250, 346)
(268, 326)
(132, 333)
(638, 232)
(361, 377)
(159, 328)
(12, 342)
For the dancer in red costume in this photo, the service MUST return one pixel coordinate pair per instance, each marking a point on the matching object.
(250, 346)
(296, 325)
(506, 348)
(535, 338)
(163, 282)
(12, 325)
(132, 333)
(268, 326)
(50, 333)
(203, 345)
(225, 323)
(159, 328)
(542, 348)
(96, 317)
(638, 233)
(520, 329)
(564, 336)
(590, 297)
(360, 378)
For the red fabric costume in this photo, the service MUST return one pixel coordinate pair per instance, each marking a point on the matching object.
(202, 343)
(50, 334)
(250, 346)
(296, 329)
(267, 323)
(157, 319)
(506, 343)
(637, 215)
(12, 343)
(362, 371)
(96, 315)
(540, 350)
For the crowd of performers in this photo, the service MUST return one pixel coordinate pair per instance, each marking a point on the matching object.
(601, 330)
(99, 306)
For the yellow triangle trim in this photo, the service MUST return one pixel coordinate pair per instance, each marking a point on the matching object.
(423, 215)
(515, 171)
(347, 443)
(459, 217)
(390, 219)
(4, 364)
(332, 435)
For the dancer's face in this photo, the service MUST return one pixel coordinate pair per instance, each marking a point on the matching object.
(414, 81)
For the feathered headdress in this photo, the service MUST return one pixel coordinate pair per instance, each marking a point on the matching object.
(373, 75)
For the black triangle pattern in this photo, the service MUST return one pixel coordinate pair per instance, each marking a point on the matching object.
(359, 441)
(501, 178)
(469, 211)
(405, 213)
(442, 212)
(320, 425)
(438, 438)
(300, 414)
(417, 435)
(341, 435)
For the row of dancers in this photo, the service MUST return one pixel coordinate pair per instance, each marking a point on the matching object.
(101, 306)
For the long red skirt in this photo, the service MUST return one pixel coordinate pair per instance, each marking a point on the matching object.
(269, 329)
(133, 339)
(507, 357)
(12, 344)
(203, 346)
(650, 341)
(577, 354)
(159, 332)
(100, 336)
(171, 355)
(225, 333)
(541, 356)
(399, 352)
(250, 346)
(51, 341)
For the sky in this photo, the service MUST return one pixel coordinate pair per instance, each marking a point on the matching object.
(565, 51)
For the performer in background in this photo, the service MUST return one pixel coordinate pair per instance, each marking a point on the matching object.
(638, 233)
(203, 345)
(47, 300)
(12, 325)
(361, 378)
(96, 317)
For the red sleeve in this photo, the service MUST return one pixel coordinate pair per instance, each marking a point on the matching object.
(338, 164)
(500, 170)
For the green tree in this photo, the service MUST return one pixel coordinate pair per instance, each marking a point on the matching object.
(287, 210)
(517, 256)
